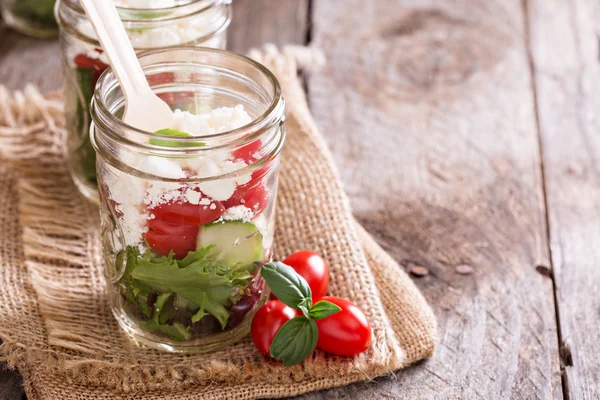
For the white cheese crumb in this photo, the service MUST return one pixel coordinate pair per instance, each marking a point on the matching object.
(162, 167)
(237, 213)
(219, 120)
(192, 196)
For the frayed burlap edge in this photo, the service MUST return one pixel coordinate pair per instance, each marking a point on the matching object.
(414, 330)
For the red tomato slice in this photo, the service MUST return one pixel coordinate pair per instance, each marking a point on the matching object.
(163, 244)
(95, 64)
(255, 198)
(188, 214)
(167, 228)
(84, 61)
(160, 78)
(247, 151)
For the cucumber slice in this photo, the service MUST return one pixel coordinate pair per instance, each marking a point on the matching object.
(235, 242)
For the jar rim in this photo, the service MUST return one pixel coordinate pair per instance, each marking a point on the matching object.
(74, 10)
(74, 6)
(106, 120)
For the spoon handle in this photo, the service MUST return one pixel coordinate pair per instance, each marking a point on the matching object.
(115, 42)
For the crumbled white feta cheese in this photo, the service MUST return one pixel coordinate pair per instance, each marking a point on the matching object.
(127, 193)
(192, 196)
(134, 195)
(237, 213)
(161, 166)
(219, 120)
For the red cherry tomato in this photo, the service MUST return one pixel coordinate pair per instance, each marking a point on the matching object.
(160, 78)
(167, 228)
(247, 151)
(346, 332)
(164, 243)
(267, 321)
(311, 267)
(95, 64)
(175, 226)
(255, 198)
(187, 213)
(85, 61)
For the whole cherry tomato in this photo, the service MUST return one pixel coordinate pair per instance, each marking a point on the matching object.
(313, 268)
(267, 321)
(346, 332)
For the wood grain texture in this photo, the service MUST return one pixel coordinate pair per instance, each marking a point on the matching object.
(256, 22)
(429, 111)
(10, 384)
(564, 45)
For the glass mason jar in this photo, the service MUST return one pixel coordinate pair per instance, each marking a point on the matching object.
(187, 221)
(32, 17)
(185, 22)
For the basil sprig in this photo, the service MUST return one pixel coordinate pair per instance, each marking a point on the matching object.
(297, 338)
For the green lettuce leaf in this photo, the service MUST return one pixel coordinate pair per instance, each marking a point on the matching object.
(213, 288)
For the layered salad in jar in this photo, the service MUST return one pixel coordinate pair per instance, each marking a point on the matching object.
(185, 242)
(150, 24)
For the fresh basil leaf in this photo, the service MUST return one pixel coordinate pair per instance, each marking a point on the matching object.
(323, 309)
(289, 287)
(172, 143)
(294, 341)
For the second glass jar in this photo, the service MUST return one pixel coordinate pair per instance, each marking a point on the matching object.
(32, 17)
(188, 221)
(176, 22)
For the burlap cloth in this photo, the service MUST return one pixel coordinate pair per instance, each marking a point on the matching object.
(54, 316)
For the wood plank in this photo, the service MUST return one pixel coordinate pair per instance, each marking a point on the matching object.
(10, 384)
(256, 22)
(429, 110)
(564, 45)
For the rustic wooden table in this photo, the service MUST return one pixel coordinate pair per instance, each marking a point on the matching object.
(463, 131)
